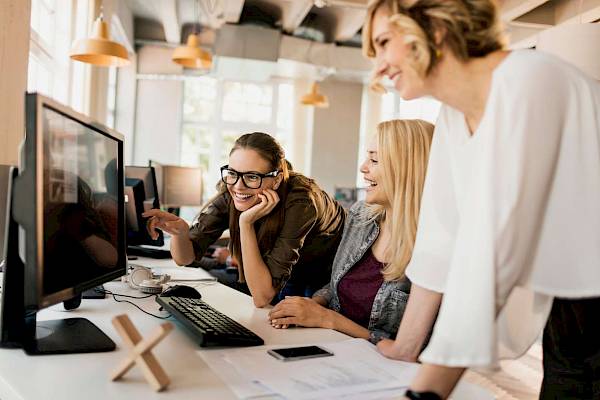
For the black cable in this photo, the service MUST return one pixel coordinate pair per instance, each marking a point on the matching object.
(114, 296)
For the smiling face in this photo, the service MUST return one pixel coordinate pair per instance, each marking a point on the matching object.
(373, 175)
(248, 160)
(392, 55)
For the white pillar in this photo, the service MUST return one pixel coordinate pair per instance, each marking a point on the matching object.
(14, 57)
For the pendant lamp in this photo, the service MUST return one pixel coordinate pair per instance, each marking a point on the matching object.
(192, 55)
(99, 49)
(314, 98)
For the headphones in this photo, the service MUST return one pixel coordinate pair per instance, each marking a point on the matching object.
(144, 280)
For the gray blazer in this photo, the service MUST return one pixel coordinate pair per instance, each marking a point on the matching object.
(390, 300)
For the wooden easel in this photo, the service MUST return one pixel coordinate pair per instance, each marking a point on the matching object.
(141, 352)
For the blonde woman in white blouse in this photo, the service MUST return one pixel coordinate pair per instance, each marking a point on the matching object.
(509, 229)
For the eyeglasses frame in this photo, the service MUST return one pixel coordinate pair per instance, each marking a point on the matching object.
(271, 174)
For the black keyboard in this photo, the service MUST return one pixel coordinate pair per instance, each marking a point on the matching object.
(209, 326)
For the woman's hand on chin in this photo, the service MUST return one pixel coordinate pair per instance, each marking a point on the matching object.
(268, 200)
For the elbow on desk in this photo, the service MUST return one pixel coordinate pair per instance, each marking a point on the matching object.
(261, 302)
(407, 354)
(411, 358)
(182, 262)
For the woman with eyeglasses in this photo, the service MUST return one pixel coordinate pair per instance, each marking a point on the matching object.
(284, 229)
(509, 228)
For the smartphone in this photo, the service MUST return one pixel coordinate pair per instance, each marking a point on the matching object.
(299, 353)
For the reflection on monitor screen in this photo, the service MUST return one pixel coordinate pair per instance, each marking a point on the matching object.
(80, 203)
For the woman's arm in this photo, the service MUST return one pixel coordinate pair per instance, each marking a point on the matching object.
(306, 312)
(257, 274)
(182, 249)
(436, 378)
(421, 310)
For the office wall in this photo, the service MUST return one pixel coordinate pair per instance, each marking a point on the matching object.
(158, 108)
(14, 56)
(336, 136)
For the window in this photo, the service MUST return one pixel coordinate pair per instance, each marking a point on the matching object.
(54, 26)
(111, 98)
(392, 106)
(216, 113)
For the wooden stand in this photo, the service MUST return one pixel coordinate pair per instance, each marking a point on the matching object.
(141, 352)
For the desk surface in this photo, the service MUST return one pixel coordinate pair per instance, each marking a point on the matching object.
(87, 375)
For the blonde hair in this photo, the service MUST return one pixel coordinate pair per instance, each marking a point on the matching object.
(403, 152)
(470, 29)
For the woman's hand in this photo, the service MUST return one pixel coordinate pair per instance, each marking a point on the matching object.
(301, 311)
(268, 200)
(165, 221)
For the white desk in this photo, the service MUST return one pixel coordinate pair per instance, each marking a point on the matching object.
(86, 376)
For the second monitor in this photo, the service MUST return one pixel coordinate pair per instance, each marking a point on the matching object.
(178, 186)
(141, 194)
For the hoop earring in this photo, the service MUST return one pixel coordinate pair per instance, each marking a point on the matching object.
(438, 53)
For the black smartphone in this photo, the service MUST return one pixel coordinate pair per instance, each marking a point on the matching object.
(299, 353)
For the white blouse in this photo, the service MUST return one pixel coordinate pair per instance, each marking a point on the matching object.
(510, 216)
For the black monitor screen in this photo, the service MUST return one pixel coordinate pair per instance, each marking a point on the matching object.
(141, 188)
(80, 202)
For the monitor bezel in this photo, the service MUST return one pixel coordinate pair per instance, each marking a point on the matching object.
(34, 223)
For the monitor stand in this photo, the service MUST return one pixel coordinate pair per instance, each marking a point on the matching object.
(64, 336)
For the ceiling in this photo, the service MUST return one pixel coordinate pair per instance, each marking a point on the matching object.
(307, 41)
(339, 21)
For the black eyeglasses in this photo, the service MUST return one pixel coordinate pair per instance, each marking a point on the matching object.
(252, 180)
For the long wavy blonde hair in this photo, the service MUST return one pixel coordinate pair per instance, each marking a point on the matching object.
(403, 152)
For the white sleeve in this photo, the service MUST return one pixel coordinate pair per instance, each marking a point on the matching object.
(437, 224)
(501, 216)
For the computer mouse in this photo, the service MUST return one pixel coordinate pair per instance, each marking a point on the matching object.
(181, 291)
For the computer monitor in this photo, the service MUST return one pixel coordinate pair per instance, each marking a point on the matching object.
(5, 171)
(69, 201)
(141, 195)
(178, 186)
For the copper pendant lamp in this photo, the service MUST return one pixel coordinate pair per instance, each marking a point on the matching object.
(99, 49)
(314, 98)
(192, 55)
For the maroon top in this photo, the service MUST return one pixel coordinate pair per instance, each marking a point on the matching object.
(357, 289)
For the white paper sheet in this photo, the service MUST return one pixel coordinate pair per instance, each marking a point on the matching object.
(356, 367)
(243, 386)
(243, 383)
